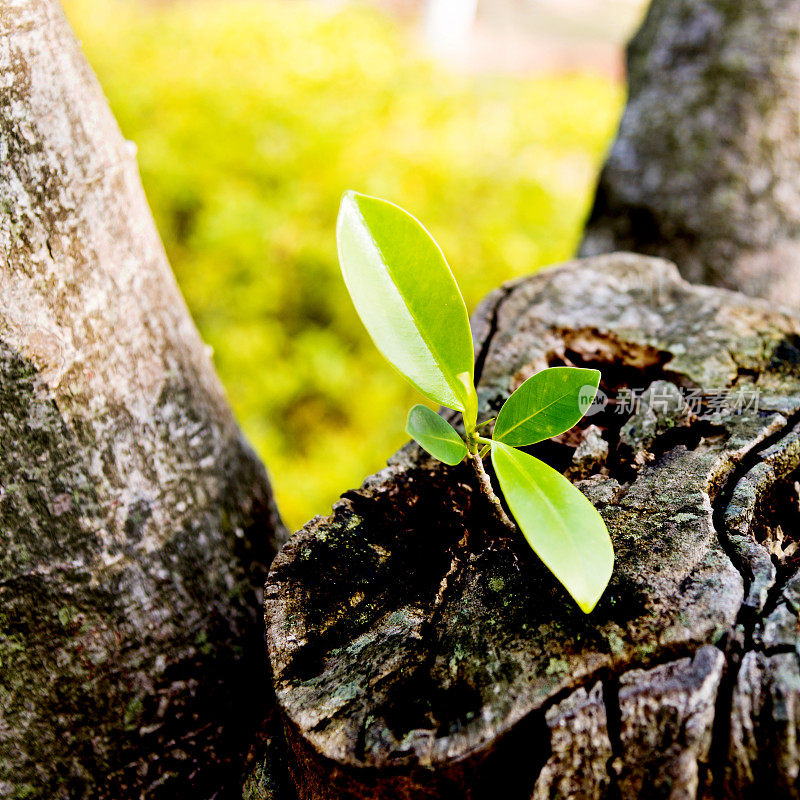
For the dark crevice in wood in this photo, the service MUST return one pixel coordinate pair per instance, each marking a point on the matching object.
(744, 372)
(778, 649)
(528, 742)
(769, 512)
(722, 499)
(687, 437)
(621, 363)
(779, 510)
(486, 343)
(721, 732)
(614, 721)
(266, 773)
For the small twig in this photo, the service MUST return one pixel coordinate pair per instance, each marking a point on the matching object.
(486, 488)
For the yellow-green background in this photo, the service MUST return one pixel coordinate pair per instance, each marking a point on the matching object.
(251, 118)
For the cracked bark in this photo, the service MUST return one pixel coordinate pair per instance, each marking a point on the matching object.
(420, 650)
(136, 523)
(705, 169)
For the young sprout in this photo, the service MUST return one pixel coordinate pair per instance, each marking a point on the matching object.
(408, 299)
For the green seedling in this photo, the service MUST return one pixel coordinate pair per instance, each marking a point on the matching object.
(408, 299)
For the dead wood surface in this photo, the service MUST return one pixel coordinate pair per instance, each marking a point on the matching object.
(419, 651)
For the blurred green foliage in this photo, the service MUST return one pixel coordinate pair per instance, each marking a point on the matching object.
(251, 118)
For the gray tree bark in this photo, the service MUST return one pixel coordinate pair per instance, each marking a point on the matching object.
(418, 650)
(705, 170)
(136, 524)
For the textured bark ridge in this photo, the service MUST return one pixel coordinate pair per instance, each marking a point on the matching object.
(705, 169)
(419, 650)
(135, 522)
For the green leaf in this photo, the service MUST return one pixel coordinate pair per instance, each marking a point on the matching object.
(560, 524)
(435, 435)
(548, 403)
(408, 300)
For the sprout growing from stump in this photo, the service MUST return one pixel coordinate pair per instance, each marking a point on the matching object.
(408, 299)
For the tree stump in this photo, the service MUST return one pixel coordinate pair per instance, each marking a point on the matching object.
(418, 650)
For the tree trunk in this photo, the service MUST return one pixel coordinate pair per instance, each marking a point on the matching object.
(705, 169)
(136, 523)
(420, 651)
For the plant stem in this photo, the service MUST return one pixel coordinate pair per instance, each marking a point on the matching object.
(486, 488)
